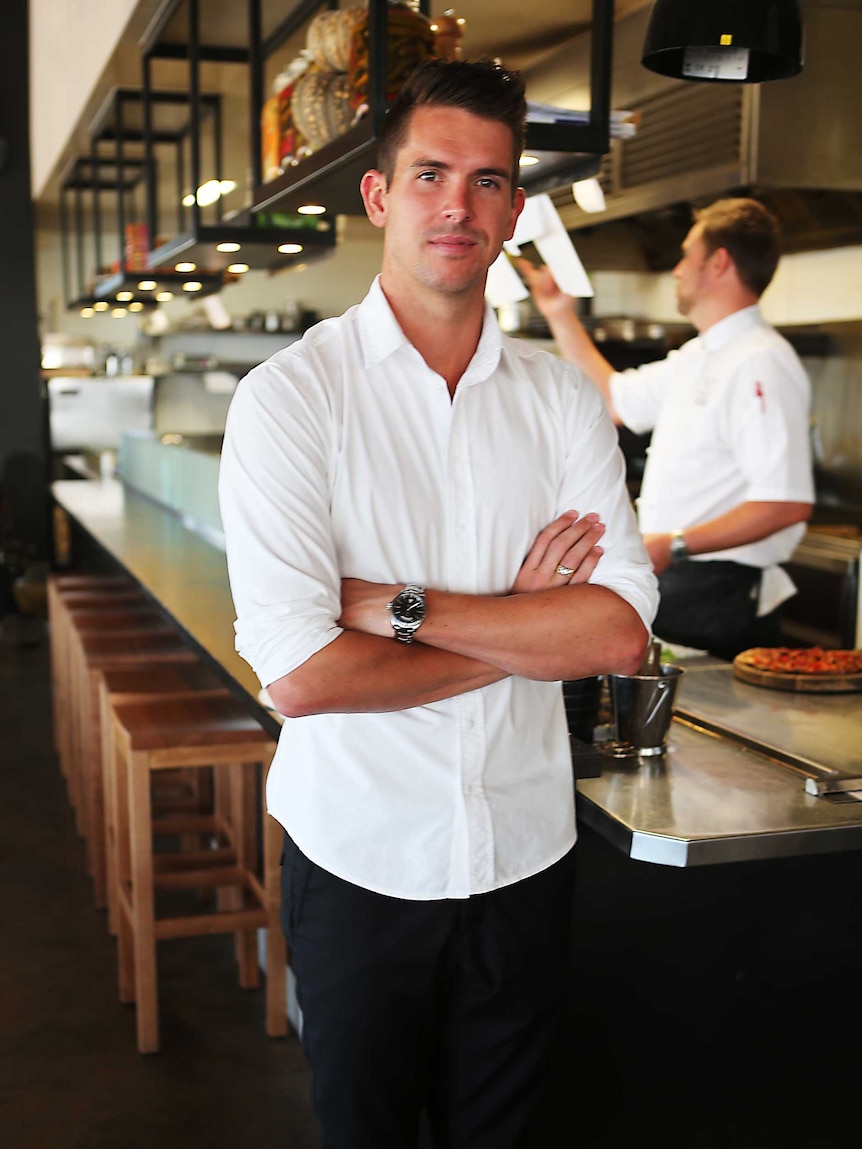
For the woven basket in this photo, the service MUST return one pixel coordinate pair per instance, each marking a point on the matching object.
(320, 106)
(329, 35)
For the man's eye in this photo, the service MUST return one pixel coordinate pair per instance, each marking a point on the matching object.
(487, 182)
(429, 175)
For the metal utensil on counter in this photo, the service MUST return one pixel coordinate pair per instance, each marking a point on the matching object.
(643, 706)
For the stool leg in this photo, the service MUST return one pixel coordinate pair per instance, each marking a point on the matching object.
(122, 872)
(91, 770)
(276, 947)
(243, 779)
(110, 803)
(143, 902)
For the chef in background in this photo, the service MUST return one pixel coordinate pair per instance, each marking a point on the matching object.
(728, 483)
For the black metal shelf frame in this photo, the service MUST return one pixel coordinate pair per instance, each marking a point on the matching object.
(259, 236)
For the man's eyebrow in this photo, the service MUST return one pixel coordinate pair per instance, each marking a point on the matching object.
(441, 165)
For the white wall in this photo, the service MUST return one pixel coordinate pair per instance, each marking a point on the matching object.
(810, 287)
(71, 41)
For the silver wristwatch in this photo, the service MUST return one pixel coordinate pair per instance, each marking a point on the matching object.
(678, 549)
(407, 611)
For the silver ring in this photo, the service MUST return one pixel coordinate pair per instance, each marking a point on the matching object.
(567, 572)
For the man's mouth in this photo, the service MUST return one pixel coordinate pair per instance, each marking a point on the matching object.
(452, 243)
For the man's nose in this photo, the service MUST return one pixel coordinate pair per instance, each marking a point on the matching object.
(457, 208)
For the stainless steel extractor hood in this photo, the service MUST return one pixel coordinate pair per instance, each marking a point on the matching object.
(796, 144)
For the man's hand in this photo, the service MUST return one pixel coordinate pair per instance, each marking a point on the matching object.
(568, 541)
(363, 606)
(547, 296)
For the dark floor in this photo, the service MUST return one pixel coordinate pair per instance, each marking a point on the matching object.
(712, 1009)
(70, 1074)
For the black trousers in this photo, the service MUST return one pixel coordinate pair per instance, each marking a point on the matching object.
(446, 1006)
(712, 606)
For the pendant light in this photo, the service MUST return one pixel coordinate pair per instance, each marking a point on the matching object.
(736, 41)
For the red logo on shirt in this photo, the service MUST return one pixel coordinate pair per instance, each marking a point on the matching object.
(758, 391)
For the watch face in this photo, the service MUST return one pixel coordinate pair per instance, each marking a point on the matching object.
(409, 607)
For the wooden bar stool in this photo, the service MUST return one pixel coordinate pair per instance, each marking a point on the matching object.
(94, 652)
(80, 590)
(194, 732)
(126, 620)
(181, 790)
(60, 603)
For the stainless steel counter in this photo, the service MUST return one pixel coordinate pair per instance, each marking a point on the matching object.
(712, 798)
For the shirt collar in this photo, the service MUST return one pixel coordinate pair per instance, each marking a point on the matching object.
(381, 336)
(731, 327)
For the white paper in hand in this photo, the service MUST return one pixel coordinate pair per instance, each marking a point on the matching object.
(540, 224)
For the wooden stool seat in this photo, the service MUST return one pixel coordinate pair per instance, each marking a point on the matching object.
(193, 732)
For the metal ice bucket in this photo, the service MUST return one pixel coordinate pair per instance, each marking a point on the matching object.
(643, 707)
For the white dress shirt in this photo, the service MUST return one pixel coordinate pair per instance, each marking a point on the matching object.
(729, 414)
(344, 456)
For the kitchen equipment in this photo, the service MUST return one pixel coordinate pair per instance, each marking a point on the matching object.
(642, 706)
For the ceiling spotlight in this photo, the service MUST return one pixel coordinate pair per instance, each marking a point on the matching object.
(147, 285)
(188, 200)
(136, 306)
(101, 305)
(125, 296)
(228, 246)
(192, 285)
(290, 248)
(87, 312)
(164, 296)
(528, 161)
(237, 268)
(119, 313)
(182, 268)
(311, 209)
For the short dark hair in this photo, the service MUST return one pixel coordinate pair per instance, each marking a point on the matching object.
(750, 235)
(481, 87)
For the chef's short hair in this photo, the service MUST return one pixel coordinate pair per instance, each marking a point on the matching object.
(482, 87)
(750, 235)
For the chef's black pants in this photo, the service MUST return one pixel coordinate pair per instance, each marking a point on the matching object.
(444, 1006)
(712, 605)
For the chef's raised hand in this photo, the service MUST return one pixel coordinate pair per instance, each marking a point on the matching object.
(568, 544)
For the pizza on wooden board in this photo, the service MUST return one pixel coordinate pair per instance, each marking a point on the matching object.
(809, 660)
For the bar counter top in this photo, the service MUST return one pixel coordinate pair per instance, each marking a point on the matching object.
(730, 788)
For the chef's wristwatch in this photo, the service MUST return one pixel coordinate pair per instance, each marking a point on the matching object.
(678, 549)
(407, 611)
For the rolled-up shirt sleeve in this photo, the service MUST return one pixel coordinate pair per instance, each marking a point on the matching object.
(273, 493)
(595, 481)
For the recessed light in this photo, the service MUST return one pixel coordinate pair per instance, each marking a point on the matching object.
(136, 306)
(192, 285)
(237, 268)
(528, 161)
(119, 313)
(101, 305)
(228, 246)
(189, 200)
(147, 285)
(125, 296)
(164, 296)
(86, 312)
(311, 209)
(290, 248)
(184, 267)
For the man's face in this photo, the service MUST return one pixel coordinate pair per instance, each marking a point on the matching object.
(692, 271)
(449, 205)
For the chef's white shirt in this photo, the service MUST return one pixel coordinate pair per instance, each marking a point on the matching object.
(345, 457)
(729, 414)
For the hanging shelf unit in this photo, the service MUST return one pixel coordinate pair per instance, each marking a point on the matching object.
(330, 176)
(206, 236)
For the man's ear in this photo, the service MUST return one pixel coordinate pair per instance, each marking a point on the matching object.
(373, 187)
(517, 207)
(721, 261)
